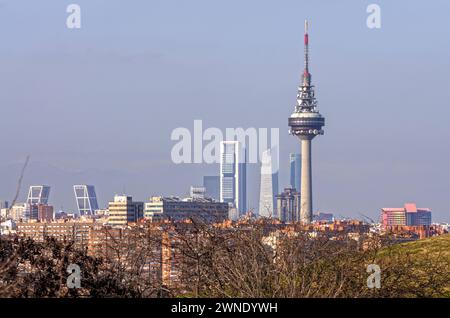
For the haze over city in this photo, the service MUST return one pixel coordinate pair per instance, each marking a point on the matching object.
(97, 105)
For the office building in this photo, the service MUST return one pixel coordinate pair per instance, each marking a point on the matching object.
(124, 210)
(197, 192)
(323, 217)
(233, 175)
(409, 215)
(86, 199)
(212, 187)
(268, 184)
(38, 194)
(31, 212)
(288, 205)
(294, 170)
(177, 209)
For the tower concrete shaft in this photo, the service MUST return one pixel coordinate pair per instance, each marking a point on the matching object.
(306, 182)
(306, 123)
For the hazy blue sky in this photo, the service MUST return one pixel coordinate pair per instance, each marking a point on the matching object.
(97, 105)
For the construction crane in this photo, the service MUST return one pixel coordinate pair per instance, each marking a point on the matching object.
(367, 218)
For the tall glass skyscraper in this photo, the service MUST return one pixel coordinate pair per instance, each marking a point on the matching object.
(38, 194)
(233, 175)
(86, 199)
(295, 164)
(269, 184)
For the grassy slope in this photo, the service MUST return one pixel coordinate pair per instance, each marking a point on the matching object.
(434, 246)
(425, 256)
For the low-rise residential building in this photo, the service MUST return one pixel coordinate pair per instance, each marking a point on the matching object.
(17, 211)
(45, 213)
(7, 227)
(77, 232)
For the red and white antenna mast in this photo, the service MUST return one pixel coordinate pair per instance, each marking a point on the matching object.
(306, 74)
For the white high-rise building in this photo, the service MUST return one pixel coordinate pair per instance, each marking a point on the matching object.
(38, 194)
(233, 175)
(86, 199)
(269, 184)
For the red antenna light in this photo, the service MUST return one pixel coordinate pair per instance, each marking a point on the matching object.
(306, 32)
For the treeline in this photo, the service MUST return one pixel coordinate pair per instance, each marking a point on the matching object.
(200, 260)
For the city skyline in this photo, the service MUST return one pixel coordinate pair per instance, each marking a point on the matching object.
(163, 151)
(221, 75)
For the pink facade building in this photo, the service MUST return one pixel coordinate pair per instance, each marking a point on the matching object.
(409, 215)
